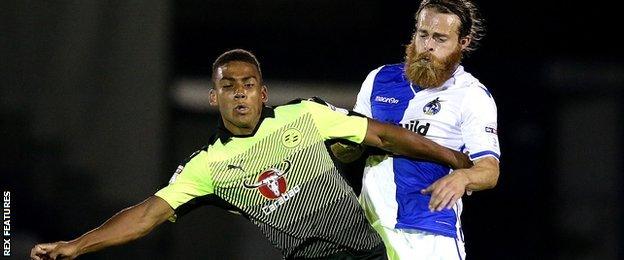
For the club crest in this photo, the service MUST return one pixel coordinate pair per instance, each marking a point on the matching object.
(432, 107)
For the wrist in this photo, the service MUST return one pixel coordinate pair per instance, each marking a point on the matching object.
(77, 246)
(461, 161)
(465, 176)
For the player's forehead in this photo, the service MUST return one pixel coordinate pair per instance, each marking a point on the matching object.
(234, 70)
(432, 21)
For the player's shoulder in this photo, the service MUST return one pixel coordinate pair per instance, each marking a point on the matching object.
(392, 67)
(311, 103)
(300, 105)
(387, 69)
(316, 105)
(198, 154)
(470, 85)
(389, 72)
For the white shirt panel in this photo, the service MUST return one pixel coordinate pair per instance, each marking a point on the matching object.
(362, 104)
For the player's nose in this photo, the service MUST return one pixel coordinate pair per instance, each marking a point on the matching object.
(239, 91)
(428, 44)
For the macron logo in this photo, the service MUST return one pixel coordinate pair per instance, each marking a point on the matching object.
(389, 100)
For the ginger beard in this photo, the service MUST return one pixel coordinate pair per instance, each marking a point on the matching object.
(428, 71)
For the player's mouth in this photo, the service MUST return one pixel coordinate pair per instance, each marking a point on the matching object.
(424, 60)
(241, 109)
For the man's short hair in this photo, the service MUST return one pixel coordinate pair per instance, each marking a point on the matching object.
(472, 24)
(235, 55)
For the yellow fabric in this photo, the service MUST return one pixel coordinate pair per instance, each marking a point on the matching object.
(195, 182)
(332, 123)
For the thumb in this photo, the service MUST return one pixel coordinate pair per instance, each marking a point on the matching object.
(427, 190)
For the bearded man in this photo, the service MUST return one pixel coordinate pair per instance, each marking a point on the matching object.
(416, 204)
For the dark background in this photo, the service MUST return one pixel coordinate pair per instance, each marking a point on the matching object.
(93, 121)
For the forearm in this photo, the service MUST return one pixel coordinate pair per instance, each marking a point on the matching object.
(483, 175)
(404, 142)
(125, 226)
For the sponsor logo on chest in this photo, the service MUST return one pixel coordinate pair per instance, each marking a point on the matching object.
(388, 100)
(272, 185)
(417, 127)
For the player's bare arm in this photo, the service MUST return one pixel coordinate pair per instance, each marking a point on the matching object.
(127, 225)
(402, 141)
(447, 190)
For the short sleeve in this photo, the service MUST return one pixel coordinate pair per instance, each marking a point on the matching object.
(189, 181)
(336, 123)
(363, 103)
(479, 123)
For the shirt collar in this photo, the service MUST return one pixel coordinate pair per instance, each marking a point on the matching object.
(225, 135)
(448, 83)
(453, 79)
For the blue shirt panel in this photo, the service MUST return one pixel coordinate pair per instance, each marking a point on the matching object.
(390, 97)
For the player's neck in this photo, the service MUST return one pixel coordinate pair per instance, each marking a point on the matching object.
(242, 129)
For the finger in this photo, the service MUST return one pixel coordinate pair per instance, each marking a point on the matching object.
(34, 252)
(443, 200)
(37, 250)
(439, 189)
(440, 199)
(427, 190)
(47, 247)
(55, 255)
(448, 196)
(453, 201)
(431, 189)
(436, 199)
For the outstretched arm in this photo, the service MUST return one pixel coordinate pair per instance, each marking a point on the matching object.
(127, 225)
(404, 142)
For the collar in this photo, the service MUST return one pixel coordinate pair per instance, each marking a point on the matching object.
(453, 79)
(225, 135)
(448, 83)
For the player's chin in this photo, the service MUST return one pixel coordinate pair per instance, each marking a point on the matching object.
(242, 121)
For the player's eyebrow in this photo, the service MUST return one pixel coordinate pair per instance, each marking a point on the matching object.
(243, 79)
(435, 34)
(440, 35)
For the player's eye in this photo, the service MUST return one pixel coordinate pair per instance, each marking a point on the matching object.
(249, 85)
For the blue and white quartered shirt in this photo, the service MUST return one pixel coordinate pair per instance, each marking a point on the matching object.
(460, 115)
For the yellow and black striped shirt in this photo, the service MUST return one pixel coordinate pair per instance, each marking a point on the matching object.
(282, 178)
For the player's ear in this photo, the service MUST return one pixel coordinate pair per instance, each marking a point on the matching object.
(213, 97)
(264, 94)
(464, 42)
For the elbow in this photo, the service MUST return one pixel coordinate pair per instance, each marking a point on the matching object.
(386, 145)
(144, 224)
(379, 135)
(143, 228)
(494, 180)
